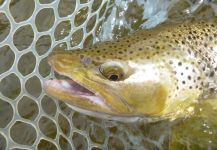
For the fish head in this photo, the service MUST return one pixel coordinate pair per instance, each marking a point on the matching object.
(106, 86)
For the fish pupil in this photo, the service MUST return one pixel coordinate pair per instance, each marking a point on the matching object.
(113, 77)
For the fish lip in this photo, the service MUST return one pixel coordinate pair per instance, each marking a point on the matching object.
(72, 87)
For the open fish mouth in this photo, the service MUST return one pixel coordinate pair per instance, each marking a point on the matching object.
(73, 88)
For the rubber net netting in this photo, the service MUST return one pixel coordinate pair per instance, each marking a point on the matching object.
(29, 31)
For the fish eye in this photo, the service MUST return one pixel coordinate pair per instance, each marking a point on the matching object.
(112, 71)
(113, 77)
(112, 74)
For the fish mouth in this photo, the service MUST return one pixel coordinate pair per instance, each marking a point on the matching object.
(70, 87)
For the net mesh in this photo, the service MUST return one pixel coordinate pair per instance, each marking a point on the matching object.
(29, 31)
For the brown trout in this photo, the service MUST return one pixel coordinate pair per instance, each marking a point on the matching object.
(158, 72)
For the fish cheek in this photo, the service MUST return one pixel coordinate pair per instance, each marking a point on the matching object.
(148, 98)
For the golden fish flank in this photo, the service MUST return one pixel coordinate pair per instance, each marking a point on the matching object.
(155, 72)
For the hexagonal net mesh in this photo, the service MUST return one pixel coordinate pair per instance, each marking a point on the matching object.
(29, 31)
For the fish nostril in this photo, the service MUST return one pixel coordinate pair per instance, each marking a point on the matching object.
(85, 59)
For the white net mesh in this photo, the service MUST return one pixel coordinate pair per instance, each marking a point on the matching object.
(29, 31)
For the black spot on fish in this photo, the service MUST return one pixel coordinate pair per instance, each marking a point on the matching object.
(189, 37)
(189, 77)
(195, 32)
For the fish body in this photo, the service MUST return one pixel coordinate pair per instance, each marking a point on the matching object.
(157, 72)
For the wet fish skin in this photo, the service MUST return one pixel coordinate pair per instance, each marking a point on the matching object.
(161, 71)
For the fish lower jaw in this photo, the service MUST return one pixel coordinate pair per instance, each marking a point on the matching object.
(70, 87)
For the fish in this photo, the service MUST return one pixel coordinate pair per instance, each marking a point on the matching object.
(151, 74)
